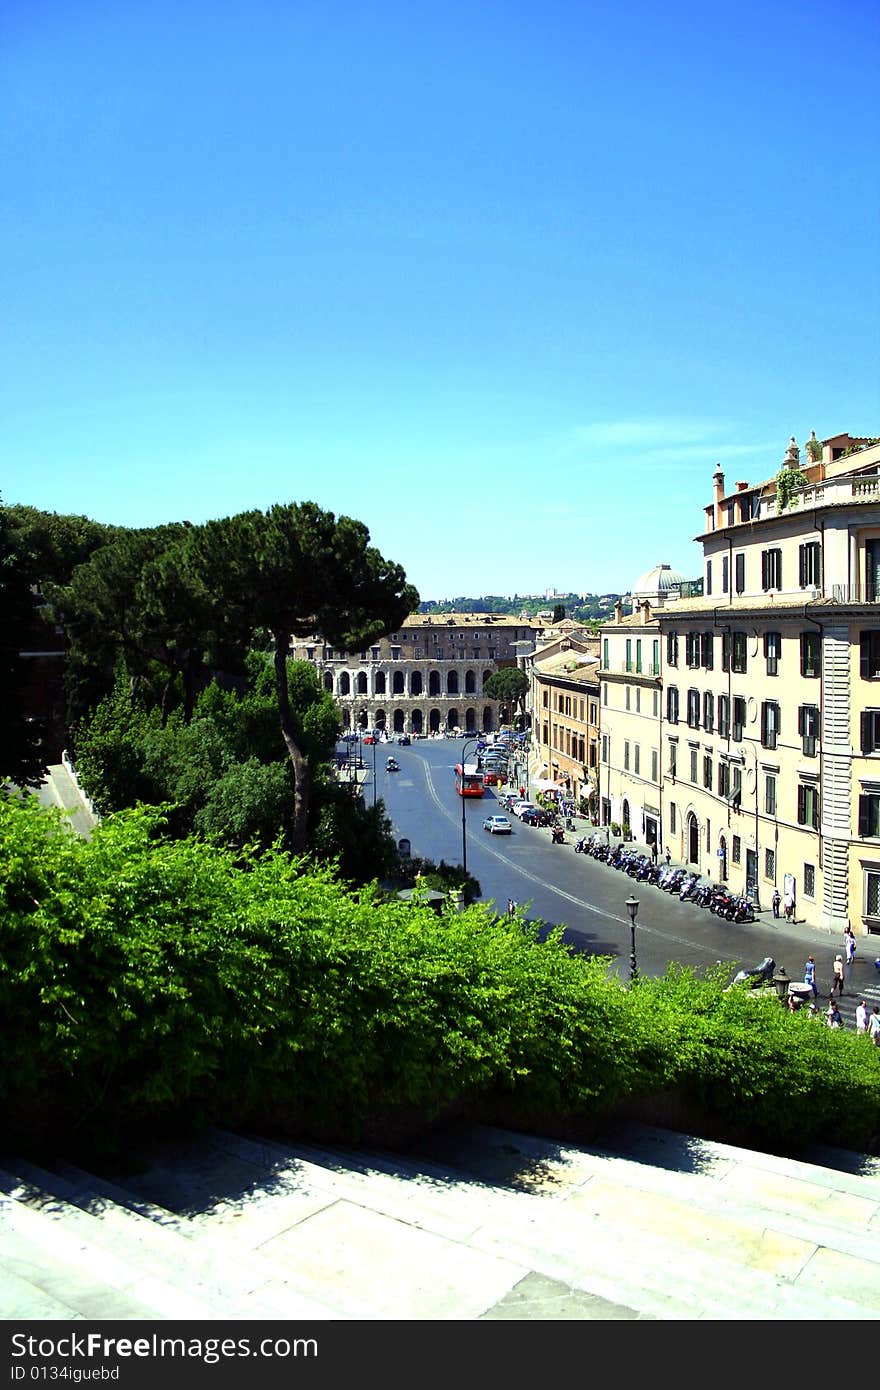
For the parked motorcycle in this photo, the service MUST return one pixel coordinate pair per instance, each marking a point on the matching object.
(580, 846)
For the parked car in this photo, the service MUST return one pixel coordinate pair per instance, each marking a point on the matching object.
(497, 825)
(403, 740)
(490, 777)
(533, 815)
(370, 738)
(519, 806)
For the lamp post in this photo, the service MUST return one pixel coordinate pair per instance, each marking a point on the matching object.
(632, 907)
(463, 804)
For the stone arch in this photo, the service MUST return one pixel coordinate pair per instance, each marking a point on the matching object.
(362, 720)
(487, 719)
(722, 858)
(470, 720)
(470, 683)
(399, 721)
(346, 719)
(379, 719)
(433, 682)
(380, 683)
(624, 814)
(417, 722)
(416, 684)
(452, 683)
(452, 719)
(397, 684)
(693, 839)
(486, 675)
(434, 721)
(361, 687)
(328, 681)
(345, 683)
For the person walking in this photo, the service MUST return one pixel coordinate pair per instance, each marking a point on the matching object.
(511, 907)
(788, 906)
(849, 944)
(862, 1016)
(810, 975)
(668, 857)
(776, 901)
(653, 851)
(832, 1014)
(838, 971)
(874, 1026)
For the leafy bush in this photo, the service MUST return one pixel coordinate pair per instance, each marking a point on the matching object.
(149, 982)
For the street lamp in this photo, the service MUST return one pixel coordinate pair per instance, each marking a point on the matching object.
(463, 804)
(632, 907)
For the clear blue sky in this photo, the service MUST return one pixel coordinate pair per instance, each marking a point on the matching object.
(501, 280)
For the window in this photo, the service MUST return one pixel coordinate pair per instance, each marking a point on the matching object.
(770, 794)
(606, 748)
(724, 779)
(872, 894)
(638, 698)
(771, 569)
(736, 788)
(708, 711)
(672, 648)
(808, 728)
(869, 815)
(604, 694)
(808, 805)
(811, 653)
(769, 723)
(735, 849)
(626, 754)
(707, 771)
(673, 759)
(654, 765)
(694, 765)
(636, 758)
(869, 655)
(626, 696)
(692, 649)
(870, 722)
(772, 651)
(638, 653)
(724, 715)
(693, 709)
(739, 570)
(739, 653)
(655, 657)
(707, 646)
(809, 880)
(810, 565)
(672, 820)
(770, 864)
(739, 717)
(725, 651)
(374, 652)
(605, 652)
(629, 664)
(708, 576)
(655, 703)
(725, 573)
(672, 704)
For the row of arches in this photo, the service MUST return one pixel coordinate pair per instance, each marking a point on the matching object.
(343, 683)
(432, 721)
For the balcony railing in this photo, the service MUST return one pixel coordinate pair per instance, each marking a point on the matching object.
(643, 668)
(855, 593)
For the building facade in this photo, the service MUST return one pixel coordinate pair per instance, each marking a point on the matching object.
(428, 677)
(772, 689)
(564, 704)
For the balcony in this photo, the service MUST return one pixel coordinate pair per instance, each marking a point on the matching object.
(834, 492)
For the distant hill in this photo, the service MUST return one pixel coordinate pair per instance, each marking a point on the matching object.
(580, 608)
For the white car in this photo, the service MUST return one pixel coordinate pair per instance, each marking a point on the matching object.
(497, 825)
(519, 806)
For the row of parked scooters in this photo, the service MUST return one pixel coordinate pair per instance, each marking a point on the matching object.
(690, 887)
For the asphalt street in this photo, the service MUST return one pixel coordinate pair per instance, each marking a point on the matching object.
(558, 887)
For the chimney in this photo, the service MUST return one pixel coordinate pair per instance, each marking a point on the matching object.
(618, 611)
(645, 611)
(741, 487)
(718, 484)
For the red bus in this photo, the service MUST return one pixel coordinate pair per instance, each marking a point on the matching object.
(468, 780)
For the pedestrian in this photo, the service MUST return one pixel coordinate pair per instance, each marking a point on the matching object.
(874, 1026)
(776, 901)
(849, 943)
(793, 1003)
(511, 907)
(653, 851)
(862, 1016)
(668, 857)
(832, 1014)
(788, 905)
(522, 793)
(839, 974)
(810, 975)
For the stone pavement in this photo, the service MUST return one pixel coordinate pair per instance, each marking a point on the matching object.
(477, 1224)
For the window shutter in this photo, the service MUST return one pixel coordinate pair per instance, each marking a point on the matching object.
(801, 567)
(864, 830)
(764, 569)
(865, 655)
(802, 804)
(801, 720)
(867, 732)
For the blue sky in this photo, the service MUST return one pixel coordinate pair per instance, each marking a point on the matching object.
(503, 281)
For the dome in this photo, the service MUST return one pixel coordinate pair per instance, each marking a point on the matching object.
(659, 581)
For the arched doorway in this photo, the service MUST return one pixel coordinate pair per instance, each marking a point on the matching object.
(487, 719)
(397, 687)
(625, 814)
(693, 839)
(452, 719)
(470, 683)
(434, 721)
(362, 683)
(398, 721)
(470, 720)
(328, 681)
(417, 722)
(345, 683)
(380, 683)
(722, 859)
(415, 683)
(433, 682)
(362, 719)
(452, 683)
(380, 719)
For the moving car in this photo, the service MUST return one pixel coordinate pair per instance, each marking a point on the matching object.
(403, 740)
(497, 825)
(392, 765)
(490, 777)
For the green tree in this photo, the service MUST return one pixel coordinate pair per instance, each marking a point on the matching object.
(509, 685)
(298, 570)
(21, 755)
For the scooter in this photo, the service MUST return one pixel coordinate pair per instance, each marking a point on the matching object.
(580, 846)
(557, 835)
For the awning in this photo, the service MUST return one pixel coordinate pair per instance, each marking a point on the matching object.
(546, 784)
